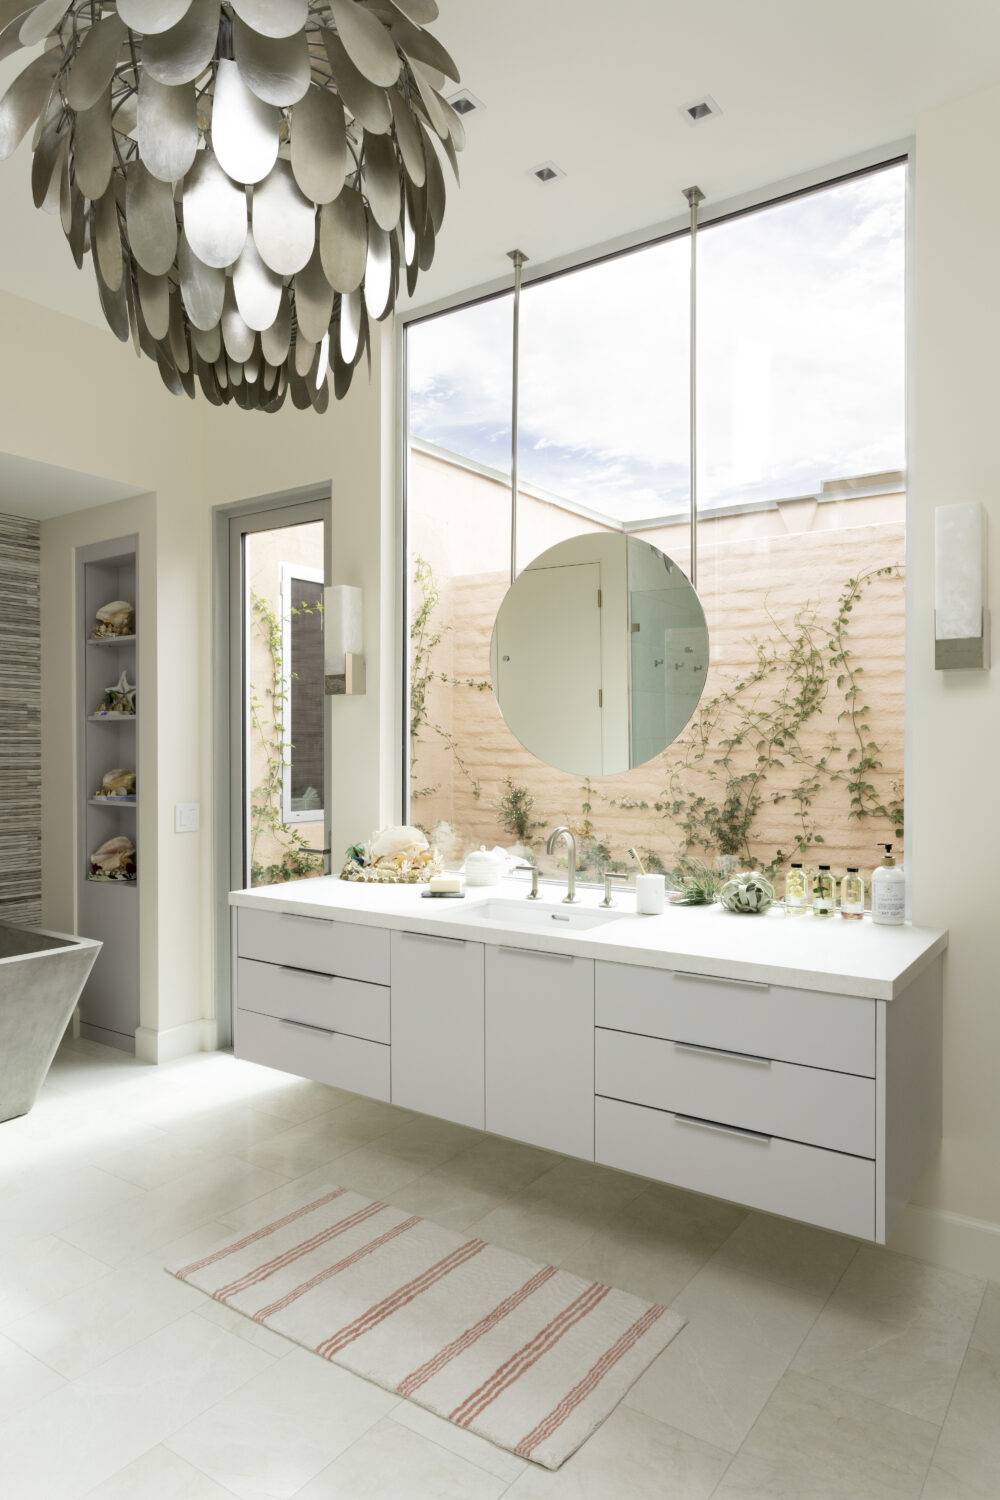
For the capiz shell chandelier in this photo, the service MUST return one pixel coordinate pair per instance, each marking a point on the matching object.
(253, 180)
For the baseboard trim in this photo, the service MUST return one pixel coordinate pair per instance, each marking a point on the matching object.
(107, 1038)
(152, 1046)
(954, 1241)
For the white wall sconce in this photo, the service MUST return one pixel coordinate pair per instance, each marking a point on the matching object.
(961, 619)
(343, 637)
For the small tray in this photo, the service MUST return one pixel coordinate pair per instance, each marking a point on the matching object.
(443, 895)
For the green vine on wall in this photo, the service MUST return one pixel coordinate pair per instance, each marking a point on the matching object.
(425, 637)
(747, 748)
(297, 860)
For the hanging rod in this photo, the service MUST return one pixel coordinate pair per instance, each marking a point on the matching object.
(694, 196)
(519, 258)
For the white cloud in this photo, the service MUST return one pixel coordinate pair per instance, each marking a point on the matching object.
(801, 361)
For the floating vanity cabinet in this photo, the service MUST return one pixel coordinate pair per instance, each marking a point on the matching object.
(540, 1049)
(312, 998)
(802, 1077)
(437, 1026)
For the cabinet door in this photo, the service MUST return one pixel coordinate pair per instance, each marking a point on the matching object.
(540, 1049)
(437, 1026)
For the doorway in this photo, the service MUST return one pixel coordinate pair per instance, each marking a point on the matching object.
(279, 797)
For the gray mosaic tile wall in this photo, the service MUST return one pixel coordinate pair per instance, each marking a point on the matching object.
(20, 723)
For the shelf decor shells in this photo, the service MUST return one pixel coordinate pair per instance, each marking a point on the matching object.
(253, 180)
(747, 893)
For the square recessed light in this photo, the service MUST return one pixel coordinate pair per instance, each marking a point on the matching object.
(464, 103)
(547, 172)
(698, 110)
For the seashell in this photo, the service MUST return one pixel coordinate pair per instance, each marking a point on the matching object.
(118, 612)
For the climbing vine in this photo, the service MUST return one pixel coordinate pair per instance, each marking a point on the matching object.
(753, 745)
(425, 637)
(296, 860)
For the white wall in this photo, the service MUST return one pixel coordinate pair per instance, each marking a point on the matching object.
(953, 719)
(71, 395)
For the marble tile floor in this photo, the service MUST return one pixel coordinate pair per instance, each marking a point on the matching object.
(812, 1368)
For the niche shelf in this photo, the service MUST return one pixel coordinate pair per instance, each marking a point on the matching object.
(109, 1006)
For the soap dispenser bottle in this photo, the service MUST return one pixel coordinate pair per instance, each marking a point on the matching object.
(889, 891)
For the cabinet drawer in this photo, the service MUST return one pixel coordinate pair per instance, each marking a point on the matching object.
(836, 1110)
(345, 1062)
(780, 1177)
(344, 948)
(323, 1000)
(836, 1032)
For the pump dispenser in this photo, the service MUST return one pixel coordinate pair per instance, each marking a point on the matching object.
(889, 891)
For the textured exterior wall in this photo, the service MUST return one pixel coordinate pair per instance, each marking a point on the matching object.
(20, 723)
(757, 571)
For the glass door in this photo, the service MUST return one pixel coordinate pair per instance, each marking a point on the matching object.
(280, 813)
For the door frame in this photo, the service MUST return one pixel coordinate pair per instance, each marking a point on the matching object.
(229, 524)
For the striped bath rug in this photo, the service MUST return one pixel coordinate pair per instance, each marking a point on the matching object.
(528, 1356)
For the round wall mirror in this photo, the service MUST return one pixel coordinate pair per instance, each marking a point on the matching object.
(599, 654)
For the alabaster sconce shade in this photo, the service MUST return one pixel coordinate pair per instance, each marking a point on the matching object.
(961, 617)
(343, 639)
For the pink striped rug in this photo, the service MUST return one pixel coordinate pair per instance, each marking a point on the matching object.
(528, 1356)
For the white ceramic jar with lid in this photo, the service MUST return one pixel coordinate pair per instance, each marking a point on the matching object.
(484, 866)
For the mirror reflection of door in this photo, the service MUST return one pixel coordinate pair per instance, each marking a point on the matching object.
(600, 654)
(549, 666)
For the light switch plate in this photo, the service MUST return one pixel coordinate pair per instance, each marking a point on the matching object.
(187, 817)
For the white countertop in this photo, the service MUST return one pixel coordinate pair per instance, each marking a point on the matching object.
(844, 958)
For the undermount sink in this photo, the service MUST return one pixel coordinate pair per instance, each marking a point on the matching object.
(538, 914)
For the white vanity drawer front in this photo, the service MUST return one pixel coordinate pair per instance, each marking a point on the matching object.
(780, 1177)
(345, 1062)
(344, 948)
(836, 1032)
(315, 999)
(836, 1110)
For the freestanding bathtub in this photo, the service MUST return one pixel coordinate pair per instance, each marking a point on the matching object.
(41, 976)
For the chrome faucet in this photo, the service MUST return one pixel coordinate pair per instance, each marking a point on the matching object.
(567, 838)
(531, 870)
(610, 876)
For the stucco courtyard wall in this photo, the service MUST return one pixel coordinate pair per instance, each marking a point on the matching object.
(759, 569)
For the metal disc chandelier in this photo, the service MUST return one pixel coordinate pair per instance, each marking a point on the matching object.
(253, 180)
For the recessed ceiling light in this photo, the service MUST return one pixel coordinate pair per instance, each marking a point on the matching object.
(464, 103)
(547, 172)
(701, 109)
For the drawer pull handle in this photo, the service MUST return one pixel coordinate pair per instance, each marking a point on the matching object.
(305, 1026)
(307, 973)
(435, 937)
(563, 958)
(301, 916)
(740, 1057)
(757, 1137)
(744, 984)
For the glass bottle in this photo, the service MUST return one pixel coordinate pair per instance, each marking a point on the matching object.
(824, 893)
(796, 904)
(852, 895)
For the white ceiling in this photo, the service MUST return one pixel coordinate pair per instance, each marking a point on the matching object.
(41, 491)
(595, 85)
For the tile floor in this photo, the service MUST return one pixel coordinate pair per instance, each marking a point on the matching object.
(810, 1367)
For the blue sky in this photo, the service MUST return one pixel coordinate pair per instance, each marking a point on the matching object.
(801, 332)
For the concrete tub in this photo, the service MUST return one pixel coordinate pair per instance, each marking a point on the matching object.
(41, 977)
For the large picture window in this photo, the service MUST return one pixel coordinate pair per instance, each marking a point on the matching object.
(797, 745)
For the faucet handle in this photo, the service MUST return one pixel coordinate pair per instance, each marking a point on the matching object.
(531, 870)
(609, 876)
